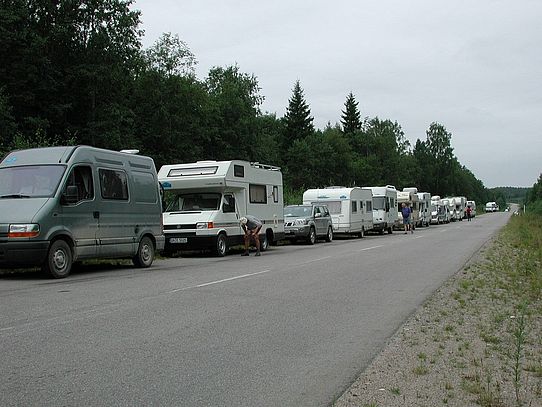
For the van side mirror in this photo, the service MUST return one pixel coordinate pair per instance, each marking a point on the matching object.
(71, 195)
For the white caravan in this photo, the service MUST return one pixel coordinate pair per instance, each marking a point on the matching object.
(425, 208)
(384, 208)
(408, 196)
(472, 205)
(350, 208)
(206, 199)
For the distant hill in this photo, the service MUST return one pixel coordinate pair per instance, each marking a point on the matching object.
(511, 194)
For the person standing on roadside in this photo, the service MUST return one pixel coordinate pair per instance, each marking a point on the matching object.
(251, 226)
(406, 212)
(469, 213)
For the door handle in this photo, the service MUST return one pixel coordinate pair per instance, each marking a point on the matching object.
(96, 215)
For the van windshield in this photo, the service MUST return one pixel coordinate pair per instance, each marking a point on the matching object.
(379, 202)
(31, 181)
(195, 202)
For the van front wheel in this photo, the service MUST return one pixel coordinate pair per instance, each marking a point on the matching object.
(221, 246)
(59, 260)
(145, 253)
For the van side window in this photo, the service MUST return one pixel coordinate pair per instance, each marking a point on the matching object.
(81, 178)
(228, 204)
(113, 184)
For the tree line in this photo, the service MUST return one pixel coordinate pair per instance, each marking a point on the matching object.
(75, 72)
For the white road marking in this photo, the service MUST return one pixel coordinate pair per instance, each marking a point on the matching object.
(312, 261)
(218, 281)
(370, 248)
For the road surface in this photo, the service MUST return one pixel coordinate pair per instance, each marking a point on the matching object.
(293, 327)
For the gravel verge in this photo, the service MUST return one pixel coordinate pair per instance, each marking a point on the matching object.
(476, 341)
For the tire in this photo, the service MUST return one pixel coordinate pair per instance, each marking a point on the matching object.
(59, 259)
(145, 253)
(311, 238)
(381, 232)
(329, 235)
(264, 242)
(221, 246)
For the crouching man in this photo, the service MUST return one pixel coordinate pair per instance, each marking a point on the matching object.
(251, 226)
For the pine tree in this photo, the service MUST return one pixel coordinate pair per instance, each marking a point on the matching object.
(298, 118)
(351, 117)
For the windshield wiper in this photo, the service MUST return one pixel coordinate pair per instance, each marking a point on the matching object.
(15, 196)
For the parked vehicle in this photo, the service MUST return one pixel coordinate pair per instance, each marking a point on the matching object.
(460, 206)
(64, 204)
(350, 208)
(440, 212)
(472, 205)
(384, 208)
(425, 208)
(408, 196)
(307, 222)
(448, 210)
(452, 207)
(492, 207)
(206, 199)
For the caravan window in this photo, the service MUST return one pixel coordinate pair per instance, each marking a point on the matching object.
(275, 193)
(354, 206)
(114, 184)
(369, 206)
(258, 194)
(238, 171)
(334, 207)
(185, 172)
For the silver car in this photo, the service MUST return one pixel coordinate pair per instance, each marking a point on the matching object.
(307, 222)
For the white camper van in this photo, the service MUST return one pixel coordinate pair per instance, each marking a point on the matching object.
(472, 205)
(447, 210)
(206, 199)
(384, 208)
(351, 209)
(440, 212)
(425, 208)
(459, 203)
(410, 197)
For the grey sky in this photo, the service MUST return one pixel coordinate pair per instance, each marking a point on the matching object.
(473, 66)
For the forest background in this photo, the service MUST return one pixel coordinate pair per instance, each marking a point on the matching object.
(75, 72)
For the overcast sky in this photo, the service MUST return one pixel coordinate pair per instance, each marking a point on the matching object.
(473, 66)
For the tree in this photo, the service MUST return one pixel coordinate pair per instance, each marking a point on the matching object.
(351, 117)
(170, 56)
(298, 120)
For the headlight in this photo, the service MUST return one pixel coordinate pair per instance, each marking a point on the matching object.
(24, 230)
(204, 225)
(301, 221)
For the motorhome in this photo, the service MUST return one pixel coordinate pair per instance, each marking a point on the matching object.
(409, 197)
(492, 207)
(448, 208)
(452, 208)
(351, 208)
(59, 205)
(384, 208)
(425, 208)
(440, 212)
(460, 206)
(206, 199)
(472, 205)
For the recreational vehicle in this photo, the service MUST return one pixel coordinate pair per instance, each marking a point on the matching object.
(64, 204)
(409, 197)
(492, 207)
(472, 205)
(440, 212)
(448, 208)
(384, 208)
(350, 208)
(425, 208)
(452, 209)
(460, 206)
(206, 199)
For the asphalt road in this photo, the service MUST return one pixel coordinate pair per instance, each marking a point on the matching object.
(293, 327)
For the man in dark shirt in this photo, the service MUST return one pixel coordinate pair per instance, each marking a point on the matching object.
(406, 211)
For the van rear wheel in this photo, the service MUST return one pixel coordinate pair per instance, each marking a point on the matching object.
(145, 253)
(59, 260)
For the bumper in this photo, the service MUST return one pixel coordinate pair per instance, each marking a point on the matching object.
(24, 253)
(379, 226)
(180, 241)
(296, 231)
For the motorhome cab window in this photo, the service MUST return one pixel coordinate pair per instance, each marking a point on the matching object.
(186, 172)
(81, 178)
(114, 184)
(195, 202)
(257, 194)
(30, 181)
(380, 202)
(228, 205)
(239, 171)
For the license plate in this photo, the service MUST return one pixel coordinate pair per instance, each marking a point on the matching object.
(178, 240)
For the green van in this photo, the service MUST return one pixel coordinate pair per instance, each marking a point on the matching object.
(64, 204)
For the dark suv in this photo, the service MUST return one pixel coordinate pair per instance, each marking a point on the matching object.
(307, 222)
